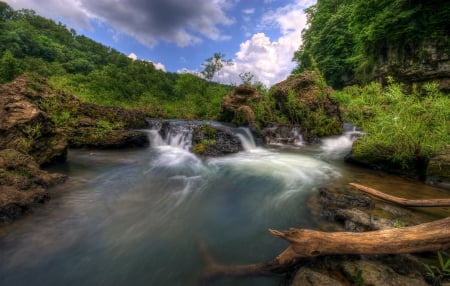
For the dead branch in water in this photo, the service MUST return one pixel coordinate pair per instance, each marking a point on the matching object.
(304, 243)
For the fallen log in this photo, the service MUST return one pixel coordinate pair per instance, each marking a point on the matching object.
(402, 201)
(304, 243)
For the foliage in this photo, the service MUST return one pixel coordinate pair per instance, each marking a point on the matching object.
(438, 272)
(214, 65)
(246, 77)
(403, 129)
(95, 73)
(351, 39)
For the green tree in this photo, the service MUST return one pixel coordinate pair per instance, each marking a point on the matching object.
(9, 67)
(214, 65)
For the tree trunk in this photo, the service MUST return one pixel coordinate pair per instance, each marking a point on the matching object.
(304, 243)
(402, 201)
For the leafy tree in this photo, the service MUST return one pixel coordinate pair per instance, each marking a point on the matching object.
(246, 77)
(214, 65)
(9, 67)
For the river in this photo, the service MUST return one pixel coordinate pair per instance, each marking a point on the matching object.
(135, 217)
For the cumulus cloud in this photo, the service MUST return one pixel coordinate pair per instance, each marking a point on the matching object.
(132, 56)
(159, 66)
(177, 21)
(270, 60)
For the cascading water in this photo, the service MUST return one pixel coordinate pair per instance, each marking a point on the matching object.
(135, 217)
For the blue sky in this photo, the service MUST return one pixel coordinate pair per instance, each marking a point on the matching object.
(178, 35)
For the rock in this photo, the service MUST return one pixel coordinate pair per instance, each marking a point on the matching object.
(22, 184)
(282, 134)
(315, 111)
(236, 106)
(375, 273)
(89, 137)
(438, 170)
(308, 277)
(25, 127)
(214, 141)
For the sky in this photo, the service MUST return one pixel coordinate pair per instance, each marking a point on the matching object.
(258, 36)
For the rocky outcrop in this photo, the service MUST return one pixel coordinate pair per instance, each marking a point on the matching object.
(307, 103)
(438, 170)
(37, 125)
(25, 127)
(236, 106)
(22, 184)
(417, 64)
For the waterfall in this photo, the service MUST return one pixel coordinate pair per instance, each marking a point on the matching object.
(339, 146)
(175, 134)
(246, 137)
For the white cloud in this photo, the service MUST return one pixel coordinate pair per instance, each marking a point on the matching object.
(159, 66)
(249, 11)
(133, 56)
(270, 60)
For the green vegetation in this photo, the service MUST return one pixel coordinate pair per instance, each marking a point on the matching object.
(352, 39)
(438, 272)
(404, 129)
(95, 73)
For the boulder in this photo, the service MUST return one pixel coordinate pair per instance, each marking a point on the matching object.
(213, 141)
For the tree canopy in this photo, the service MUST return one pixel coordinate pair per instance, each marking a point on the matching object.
(351, 39)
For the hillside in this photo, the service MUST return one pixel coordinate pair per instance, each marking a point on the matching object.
(31, 44)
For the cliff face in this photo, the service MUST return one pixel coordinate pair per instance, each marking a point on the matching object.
(417, 64)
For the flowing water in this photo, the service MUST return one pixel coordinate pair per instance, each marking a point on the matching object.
(136, 217)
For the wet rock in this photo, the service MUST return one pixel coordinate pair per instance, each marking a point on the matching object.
(22, 184)
(282, 134)
(107, 139)
(438, 170)
(309, 277)
(213, 141)
(374, 273)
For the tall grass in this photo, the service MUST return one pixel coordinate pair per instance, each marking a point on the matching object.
(404, 129)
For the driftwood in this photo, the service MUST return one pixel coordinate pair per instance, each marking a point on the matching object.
(402, 201)
(431, 236)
